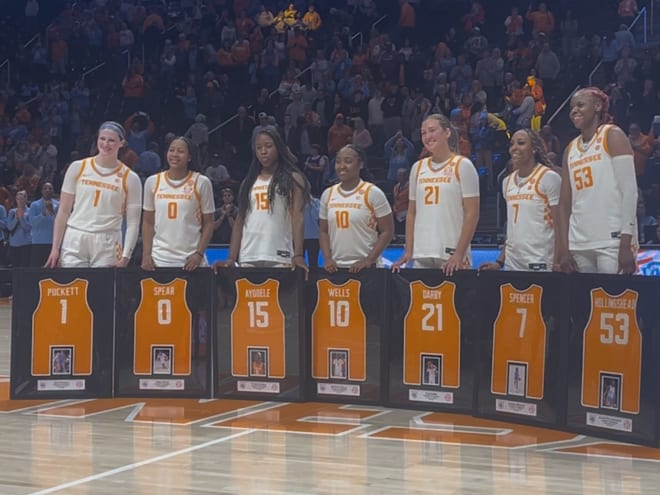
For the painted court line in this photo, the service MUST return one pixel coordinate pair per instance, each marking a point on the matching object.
(136, 465)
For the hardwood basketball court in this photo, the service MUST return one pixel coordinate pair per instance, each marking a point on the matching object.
(135, 446)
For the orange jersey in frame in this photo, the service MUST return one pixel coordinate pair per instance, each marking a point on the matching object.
(612, 345)
(257, 321)
(432, 327)
(519, 336)
(62, 319)
(163, 319)
(338, 322)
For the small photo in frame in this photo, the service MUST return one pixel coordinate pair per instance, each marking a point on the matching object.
(610, 391)
(161, 360)
(61, 359)
(431, 369)
(338, 364)
(517, 379)
(258, 362)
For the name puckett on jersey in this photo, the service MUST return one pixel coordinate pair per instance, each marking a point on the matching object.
(519, 336)
(339, 323)
(163, 318)
(432, 327)
(64, 319)
(612, 346)
(257, 322)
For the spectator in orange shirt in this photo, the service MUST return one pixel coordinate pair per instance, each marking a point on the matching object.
(339, 135)
(627, 11)
(59, 53)
(642, 147)
(224, 57)
(240, 50)
(311, 20)
(407, 20)
(243, 24)
(514, 26)
(297, 46)
(542, 19)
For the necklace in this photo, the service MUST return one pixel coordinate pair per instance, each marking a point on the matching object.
(582, 147)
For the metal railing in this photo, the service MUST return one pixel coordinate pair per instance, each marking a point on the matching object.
(642, 13)
(382, 18)
(8, 64)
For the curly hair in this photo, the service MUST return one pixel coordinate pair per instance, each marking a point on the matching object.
(282, 183)
(538, 146)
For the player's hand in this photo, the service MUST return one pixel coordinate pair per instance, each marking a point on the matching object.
(122, 263)
(627, 261)
(567, 263)
(52, 260)
(454, 263)
(359, 265)
(299, 262)
(192, 262)
(401, 262)
(148, 263)
(330, 265)
(487, 267)
(223, 264)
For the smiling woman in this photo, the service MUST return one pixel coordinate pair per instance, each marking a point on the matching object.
(97, 193)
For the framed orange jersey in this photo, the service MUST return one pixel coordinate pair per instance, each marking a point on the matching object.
(519, 338)
(163, 319)
(432, 327)
(612, 346)
(257, 322)
(612, 358)
(62, 333)
(339, 324)
(260, 343)
(62, 320)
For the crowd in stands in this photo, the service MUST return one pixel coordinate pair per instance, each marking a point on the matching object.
(217, 71)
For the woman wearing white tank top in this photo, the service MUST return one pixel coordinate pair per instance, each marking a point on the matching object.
(531, 192)
(598, 204)
(269, 227)
(443, 209)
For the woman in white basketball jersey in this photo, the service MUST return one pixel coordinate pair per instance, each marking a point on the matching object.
(356, 222)
(177, 223)
(598, 205)
(531, 192)
(269, 227)
(443, 208)
(97, 194)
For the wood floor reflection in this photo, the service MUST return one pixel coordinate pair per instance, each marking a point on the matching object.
(136, 446)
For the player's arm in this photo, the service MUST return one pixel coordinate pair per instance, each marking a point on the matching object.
(133, 213)
(563, 254)
(148, 222)
(385, 224)
(298, 221)
(410, 219)
(550, 186)
(208, 208)
(620, 149)
(67, 196)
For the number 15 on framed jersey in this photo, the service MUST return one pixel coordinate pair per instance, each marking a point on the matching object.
(62, 329)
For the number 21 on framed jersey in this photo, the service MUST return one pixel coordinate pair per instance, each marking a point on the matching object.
(432, 336)
(519, 343)
(612, 353)
(62, 330)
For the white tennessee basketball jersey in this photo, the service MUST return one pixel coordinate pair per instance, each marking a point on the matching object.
(178, 207)
(351, 217)
(438, 190)
(596, 208)
(267, 234)
(100, 197)
(530, 237)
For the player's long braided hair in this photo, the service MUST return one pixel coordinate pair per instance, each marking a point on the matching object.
(540, 155)
(282, 182)
(600, 96)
